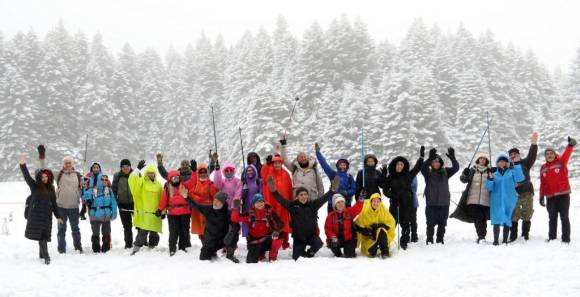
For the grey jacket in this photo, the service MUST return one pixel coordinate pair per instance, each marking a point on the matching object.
(308, 178)
(68, 191)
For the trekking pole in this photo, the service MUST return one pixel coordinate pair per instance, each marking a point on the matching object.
(489, 135)
(362, 154)
(477, 148)
(242, 146)
(85, 155)
(291, 114)
(398, 229)
(214, 132)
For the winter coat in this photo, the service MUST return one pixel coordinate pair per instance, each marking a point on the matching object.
(308, 177)
(121, 188)
(475, 193)
(527, 163)
(258, 165)
(375, 219)
(502, 188)
(304, 217)
(340, 225)
(42, 204)
(202, 193)
(284, 187)
(232, 187)
(347, 184)
(101, 202)
(251, 187)
(374, 179)
(146, 196)
(261, 222)
(554, 175)
(171, 198)
(217, 222)
(188, 177)
(398, 185)
(437, 182)
(68, 189)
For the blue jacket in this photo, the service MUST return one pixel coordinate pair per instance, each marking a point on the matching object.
(102, 203)
(347, 183)
(502, 188)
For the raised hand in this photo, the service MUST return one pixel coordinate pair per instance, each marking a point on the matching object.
(432, 153)
(271, 184)
(159, 158)
(21, 159)
(571, 141)
(335, 183)
(316, 147)
(422, 151)
(41, 151)
(141, 164)
(451, 153)
(535, 138)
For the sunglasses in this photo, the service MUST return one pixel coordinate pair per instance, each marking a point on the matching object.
(229, 170)
(125, 167)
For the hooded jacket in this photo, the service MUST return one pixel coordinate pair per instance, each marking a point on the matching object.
(308, 177)
(146, 196)
(258, 165)
(371, 218)
(554, 175)
(101, 201)
(502, 188)
(171, 198)
(250, 187)
(202, 192)
(232, 187)
(398, 184)
(347, 184)
(340, 225)
(217, 223)
(284, 187)
(437, 182)
(42, 204)
(374, 179)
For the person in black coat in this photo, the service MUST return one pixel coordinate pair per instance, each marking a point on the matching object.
(40, 207)
(304, 215)
(398, 189)
(218, 225)
(374, 180)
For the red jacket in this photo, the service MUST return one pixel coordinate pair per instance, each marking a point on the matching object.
(554, 175)
(175, 203)
(262, 222)
(284, 187)
(348, 215)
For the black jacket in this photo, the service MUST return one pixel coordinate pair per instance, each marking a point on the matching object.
(437, 182)
(41, 207)
(304, 216)
(527, 163)
(121, 189)
(217, 223)
(374, 179)
(398, 185)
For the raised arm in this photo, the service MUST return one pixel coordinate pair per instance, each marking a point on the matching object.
(25, 173)
(454, 164)
(284, 155)
(568, 151)
(319, 202)
(417, 168)
(204, 209)
(272, 187)
(323, 163)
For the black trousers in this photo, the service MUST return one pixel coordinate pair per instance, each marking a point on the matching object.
(127, 221)
(413, 220)
(479, 214)
(559, 205)
(209, 251)
(141, 238)
(436, 216)
(404, 218)
(348, 246)
(381, 245)
(299, 248)
(179, 231)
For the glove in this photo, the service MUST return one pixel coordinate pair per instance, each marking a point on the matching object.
(193, 165)
(365, 231)
(334, 242)
(384, 170)
(335, 183)
(237, 204)
(283, 141)
(451, 153)
(159, 158)
(422, 151)
(316, 147)
(42, 150)
(158, 213)
(141, 164)
(543, 201)
(271, 184)
(83, 212)
(275, 235)
(572, 142)
(363, 195)
(465, 172)
(432, 153)
(217, 165)
(269, 160)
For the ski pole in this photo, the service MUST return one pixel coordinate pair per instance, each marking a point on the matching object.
(398, 229)
(242, 146)
(85, 155)
(489, 135)
(477, 148)
(362, 154)
(214, 132)
(291, 114)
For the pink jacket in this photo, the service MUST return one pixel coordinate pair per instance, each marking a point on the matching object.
(232, 187)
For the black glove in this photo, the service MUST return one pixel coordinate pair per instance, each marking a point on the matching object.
(572, 142)
(432, 153)
(269, 160)
(365, 231)
(83, 212)
(465, 172)
(451, 153)
(362, 195)
(158, 213)
(42, 150)
(237, 204)
(193, 165)
(283, 141)
(422, 152)
(316, 147)
(141, 164)
(334, 243)
(384, 169)
(543, 201)
(217, 165)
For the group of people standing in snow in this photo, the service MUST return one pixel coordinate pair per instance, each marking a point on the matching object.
(267, 203)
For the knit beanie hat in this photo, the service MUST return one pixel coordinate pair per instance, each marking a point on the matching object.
(125, 162)
(337, 198)
(257, 197)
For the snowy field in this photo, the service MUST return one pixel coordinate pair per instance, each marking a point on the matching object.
(459, 268)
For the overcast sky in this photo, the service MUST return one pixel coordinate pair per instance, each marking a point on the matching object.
(550, 28)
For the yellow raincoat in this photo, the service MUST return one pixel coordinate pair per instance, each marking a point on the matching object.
(146, 197)
(369, 217)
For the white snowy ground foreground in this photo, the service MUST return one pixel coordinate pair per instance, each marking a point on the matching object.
(458, 268)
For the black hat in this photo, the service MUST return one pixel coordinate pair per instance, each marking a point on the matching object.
(300, 190)
(125, 162)
(514, 150)
(222, 197)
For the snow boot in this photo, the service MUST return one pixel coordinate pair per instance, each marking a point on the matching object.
(77, 241)
(136, 249)
(44, 251)
(430, 233)
(230, 256)
(414, 237)
(495, 234)
(106, 244)
(526, 229)
(506, 234)
(96, 243)
(514, 232)
(440, 234)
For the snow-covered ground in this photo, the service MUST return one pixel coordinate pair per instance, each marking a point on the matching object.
(459, 268)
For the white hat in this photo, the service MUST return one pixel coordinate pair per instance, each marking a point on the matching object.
(337, 198)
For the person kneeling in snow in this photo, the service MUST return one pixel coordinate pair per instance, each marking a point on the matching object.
(376, 227)
(304, 217)
(264, 229)
(102, 210)
(339, 227)
(217, 226)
